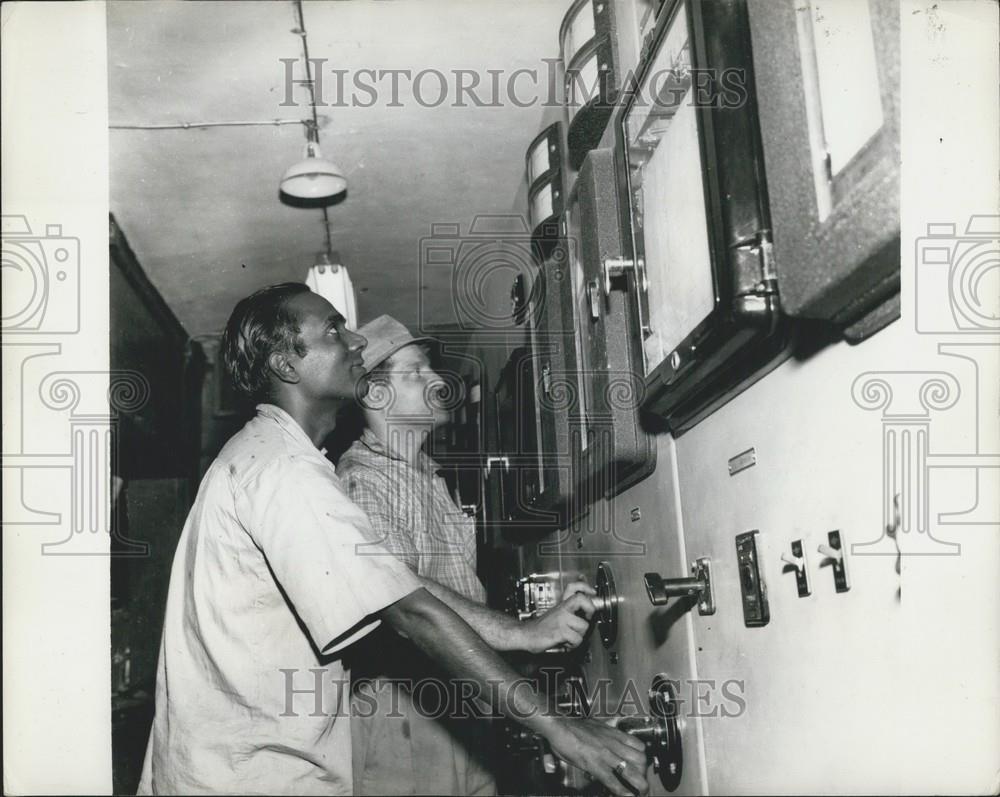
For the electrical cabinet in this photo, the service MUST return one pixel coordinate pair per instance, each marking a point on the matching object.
(556, 376)
(827, 77)
(693, 184)
(744, 196)
(612, 448)
(515, 465)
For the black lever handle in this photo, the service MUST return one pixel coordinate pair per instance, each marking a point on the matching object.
(660, 589)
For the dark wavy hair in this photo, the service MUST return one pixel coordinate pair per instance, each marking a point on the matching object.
(259, 325)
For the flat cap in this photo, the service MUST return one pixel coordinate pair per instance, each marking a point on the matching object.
(385, 337)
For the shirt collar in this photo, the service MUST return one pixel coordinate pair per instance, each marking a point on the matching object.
(371, 441)
(288, 425)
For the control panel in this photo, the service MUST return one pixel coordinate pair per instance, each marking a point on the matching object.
(534, 594)
(659, 730)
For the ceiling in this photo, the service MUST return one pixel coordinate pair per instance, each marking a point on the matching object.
(200, 206)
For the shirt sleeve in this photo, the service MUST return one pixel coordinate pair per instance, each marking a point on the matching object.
(321, 549)
(386, 512)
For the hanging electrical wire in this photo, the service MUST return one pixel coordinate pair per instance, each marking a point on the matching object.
(312, 105)
(195, 125)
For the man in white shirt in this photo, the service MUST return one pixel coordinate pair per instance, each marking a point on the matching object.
(276, 573)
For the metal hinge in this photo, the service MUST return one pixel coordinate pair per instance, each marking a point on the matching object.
(761, 248)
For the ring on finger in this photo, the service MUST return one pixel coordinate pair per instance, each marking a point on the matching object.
(619, 768)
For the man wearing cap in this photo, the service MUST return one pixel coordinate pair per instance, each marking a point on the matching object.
(406, 741)
(277, 573)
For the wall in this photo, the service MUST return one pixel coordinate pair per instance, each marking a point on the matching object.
(157, 465)
(222, 413)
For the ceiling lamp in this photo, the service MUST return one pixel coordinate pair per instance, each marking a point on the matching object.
(313, 177)
(329, 278)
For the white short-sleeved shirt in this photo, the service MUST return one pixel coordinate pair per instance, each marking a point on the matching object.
(274, 574)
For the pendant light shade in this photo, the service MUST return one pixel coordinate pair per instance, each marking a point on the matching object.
(329, 278)
(313, 177)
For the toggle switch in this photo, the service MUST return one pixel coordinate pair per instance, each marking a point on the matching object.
(833, 552)
(797, 559)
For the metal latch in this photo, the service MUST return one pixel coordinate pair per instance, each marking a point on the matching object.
(593, 295)
(617, 266)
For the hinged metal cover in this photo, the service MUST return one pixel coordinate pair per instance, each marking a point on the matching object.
(694, 187)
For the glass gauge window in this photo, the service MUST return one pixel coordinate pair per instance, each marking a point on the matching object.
(538, 161)
(541, 205)
(582, 83)
(579, 30)
(669, 220)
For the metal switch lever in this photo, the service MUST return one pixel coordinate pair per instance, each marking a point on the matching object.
(833, 550)
(660, 589)
(797, 559)
(830, 553)
(699, 584)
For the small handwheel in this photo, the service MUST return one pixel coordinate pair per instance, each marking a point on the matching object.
(668, 755)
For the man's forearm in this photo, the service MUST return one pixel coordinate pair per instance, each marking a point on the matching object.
(500, 631)
(450, 641)
(614, 758)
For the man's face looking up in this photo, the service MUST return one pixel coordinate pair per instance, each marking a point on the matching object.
(415, 387)
(331, 367)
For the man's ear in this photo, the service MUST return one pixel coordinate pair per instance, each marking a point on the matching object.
(282, 368)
